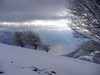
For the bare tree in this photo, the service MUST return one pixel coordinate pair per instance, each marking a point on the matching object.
(85, 17)
(33, 38)
(19, 38)
(46, 47)
(23, 37)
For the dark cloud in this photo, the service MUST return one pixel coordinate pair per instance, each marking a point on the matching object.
(24, 10)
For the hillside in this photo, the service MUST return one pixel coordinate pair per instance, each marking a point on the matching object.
(21, 61)
(89, 51)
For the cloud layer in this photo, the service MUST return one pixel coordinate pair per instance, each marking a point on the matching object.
(25, 10)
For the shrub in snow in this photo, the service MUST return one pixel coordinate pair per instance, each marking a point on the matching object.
(19, 38)
(32, 38)
(46, 47)
(24, 37)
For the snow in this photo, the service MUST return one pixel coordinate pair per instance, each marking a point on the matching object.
(87, 57)
(20, 61)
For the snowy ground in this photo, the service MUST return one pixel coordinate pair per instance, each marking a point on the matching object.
(21, 61)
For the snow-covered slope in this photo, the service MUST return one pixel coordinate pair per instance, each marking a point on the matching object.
(89, 51)
(21, 61)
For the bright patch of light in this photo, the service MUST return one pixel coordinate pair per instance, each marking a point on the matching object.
(54, 24)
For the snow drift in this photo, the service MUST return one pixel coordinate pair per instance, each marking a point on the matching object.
(20, 61)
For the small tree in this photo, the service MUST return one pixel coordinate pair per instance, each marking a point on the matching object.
(27, 37)
(46, 47)
(33, 38)
(19, 38)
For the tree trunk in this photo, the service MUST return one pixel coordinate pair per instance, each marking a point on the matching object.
(35, 47)
(22, 45)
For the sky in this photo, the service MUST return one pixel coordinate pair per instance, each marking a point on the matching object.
(31, 10)
(47, 15)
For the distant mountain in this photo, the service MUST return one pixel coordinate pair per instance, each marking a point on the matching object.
(6, 37)
(89, 51)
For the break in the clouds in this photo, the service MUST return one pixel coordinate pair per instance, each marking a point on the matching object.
(26, 10)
